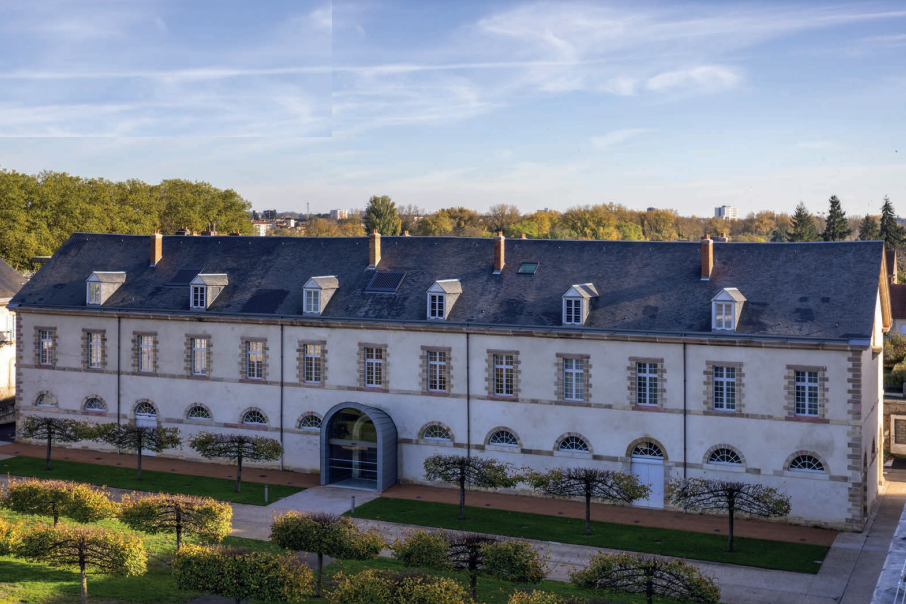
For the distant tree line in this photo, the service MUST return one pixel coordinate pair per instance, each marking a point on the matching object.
(39, 212)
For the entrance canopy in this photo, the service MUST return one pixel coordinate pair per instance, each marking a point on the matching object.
(358, 447)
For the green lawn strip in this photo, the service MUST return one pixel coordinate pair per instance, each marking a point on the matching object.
(124, 477)
(778, 555)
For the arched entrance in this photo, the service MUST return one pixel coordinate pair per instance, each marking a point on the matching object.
(358, 447)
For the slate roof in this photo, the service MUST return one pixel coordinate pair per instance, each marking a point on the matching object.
(449, 286)
(10, 280)
(109, 277)
(325, 282)
(212, 279)
(810, 290)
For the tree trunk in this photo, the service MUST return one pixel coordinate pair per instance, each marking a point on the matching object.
(49, 441)
(84, 583)
(587, 513)
(730, 538)
(54, 512)
(649, 589)
(318, 583)
(178, 531)
(139, 451)
(239, 474)
(462, 498)
(473, 585)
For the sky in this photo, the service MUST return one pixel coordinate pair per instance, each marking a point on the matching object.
(673, 105)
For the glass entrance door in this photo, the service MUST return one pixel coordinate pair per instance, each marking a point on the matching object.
(352, 450)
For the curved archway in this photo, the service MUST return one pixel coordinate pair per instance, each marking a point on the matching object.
(358, 447)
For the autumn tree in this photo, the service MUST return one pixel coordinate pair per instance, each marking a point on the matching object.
(728, 497)
(202, 517)
(673, 579)
(803, 225)
(325, 534)
(589, 483)
(53, 430)
(108, 552)
(132, 437)
(869, 229)
(55, 498)
(501, 216)
(466, 471)
(836, 227)
(381, 216)
(237, 448)
(409, 216)
(891, 232)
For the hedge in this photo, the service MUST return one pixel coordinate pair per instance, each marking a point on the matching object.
(56, 498)
(383, 587)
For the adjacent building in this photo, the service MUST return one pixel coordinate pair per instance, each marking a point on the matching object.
(10, 283)
(363, 356)
(726, 212)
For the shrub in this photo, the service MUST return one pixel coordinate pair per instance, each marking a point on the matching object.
(422, 549)
(897, 377)
(242, 574)
(535, 597)
(55, 498)
(10, 536)
(894, 349)
(202, 517)
(382, 587)
(513, 560)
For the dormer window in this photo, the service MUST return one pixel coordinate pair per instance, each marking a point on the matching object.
(316, 293)
(441, 298)
(205, 288)
(577, 303)
(101, 285)
(726, 308)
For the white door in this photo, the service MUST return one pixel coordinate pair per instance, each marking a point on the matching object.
(147, 420)
(651, 472)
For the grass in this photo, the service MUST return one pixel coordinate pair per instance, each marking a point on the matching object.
(165, 482)
(34, 583)
(778, 555)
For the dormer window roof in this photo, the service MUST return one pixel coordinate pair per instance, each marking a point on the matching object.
(101, 285)
(205, 288)
(726, 307)
(442, 295)
(577, 303)
(316, 293)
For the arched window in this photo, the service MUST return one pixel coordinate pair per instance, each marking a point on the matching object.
(806, 463)
(503, 438)
(726, 457)
(574, 444)
(45, 400)
(254, 417)
(198, 412)
(310, 422)
(95, 404)
(436, 433)
(647, 449)
(145, 408)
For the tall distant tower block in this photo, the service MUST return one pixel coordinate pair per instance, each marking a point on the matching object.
(727, 213)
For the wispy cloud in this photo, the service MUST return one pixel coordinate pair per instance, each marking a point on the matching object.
(617, 137)
(705, 78)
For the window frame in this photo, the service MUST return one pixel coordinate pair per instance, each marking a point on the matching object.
(724, 388)
(145, 353)
(448, 436)
(437, 304)
(199, 365)
(103, 408)
(199, 296)
(722, 313)
(504, 375)
(573, 379)
(254, 368)
(572, 438)
(312, 363)
(309, 417)
(574, 315)
(814, 461)
(809, 392)
(207, 411)
(513, 445)
(647, 384)
(374, 366)
(243, 420)
(717, 452)
(45, 347)
(94, 293)
(312, 301)
(437, 380)
(95, 350)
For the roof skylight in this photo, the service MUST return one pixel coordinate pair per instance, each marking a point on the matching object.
(527, 268)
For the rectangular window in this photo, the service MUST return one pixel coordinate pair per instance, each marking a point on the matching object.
(435, 306)
(646, 383)
(198, 296)
(504, 374)
(254, 360)
(437, 371)
(146, 353)
(312, 363)
(573, 379)
(199, 356)
(572, 312)
(45, 338)
(95, 350)
(312, 301)
(94, 293)
(807, 393)
(374, 367)
(723, 315)
(725, 388)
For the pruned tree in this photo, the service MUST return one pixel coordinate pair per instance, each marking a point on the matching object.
(466, 471)
(138, 438)
(803, 226)
(237, 448)
(242, 574)
(325, 534)
(633, 573)
(728, 497)
(107, 551)
(201, 517)
(589, 483)
(381, 216)
(55, 498)
(836, 227)
(869, 229)
(53, 430)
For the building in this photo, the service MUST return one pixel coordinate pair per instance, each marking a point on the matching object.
(339, 214)
(726, 212)
(262, 227)
(759, 362)
(10, 283)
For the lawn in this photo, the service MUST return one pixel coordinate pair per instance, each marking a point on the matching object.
(795, 557)
(33, 583)
(165, 482)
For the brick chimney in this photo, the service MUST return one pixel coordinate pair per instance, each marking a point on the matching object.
(405, 233)
(707, 257)
(157, 248)
(523, 236)
(499, 252)
(374, 249)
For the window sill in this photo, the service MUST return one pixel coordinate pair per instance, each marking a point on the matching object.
(437, 393)
(649, 408)
(195, 376)
(312, 384)
(807, 419)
